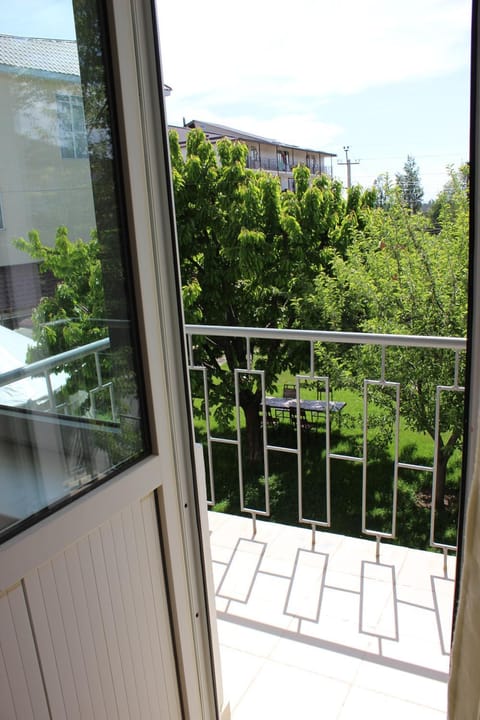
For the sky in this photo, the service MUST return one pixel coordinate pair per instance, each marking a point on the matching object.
(385, 79)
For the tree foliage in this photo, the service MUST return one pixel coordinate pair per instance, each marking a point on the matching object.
(250, 253)
(384, 191)
(405, 275)
(65, 319)
(410, 185)
(74, 314)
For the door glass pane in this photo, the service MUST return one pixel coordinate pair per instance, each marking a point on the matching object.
(71, 400)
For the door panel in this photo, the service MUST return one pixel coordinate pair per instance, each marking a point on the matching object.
(97, 629)
(101, 536)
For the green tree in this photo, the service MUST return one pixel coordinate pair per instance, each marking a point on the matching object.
(458, 183)
(72, 316)
(410, 185)
(250, 253)
(64, 320)
(383, 190)
(403, 275)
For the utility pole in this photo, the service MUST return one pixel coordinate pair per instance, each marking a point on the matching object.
(348, 163)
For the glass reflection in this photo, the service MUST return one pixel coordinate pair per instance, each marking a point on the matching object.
(71, 401)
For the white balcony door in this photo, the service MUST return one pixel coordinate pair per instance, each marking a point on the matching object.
(103, 608)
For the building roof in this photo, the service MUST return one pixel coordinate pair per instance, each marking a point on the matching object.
(215, 132)
(57, 57)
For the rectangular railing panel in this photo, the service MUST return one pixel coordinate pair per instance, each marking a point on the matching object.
(383, 341)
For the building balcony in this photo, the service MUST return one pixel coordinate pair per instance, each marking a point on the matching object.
(272, 165)
(313, 622)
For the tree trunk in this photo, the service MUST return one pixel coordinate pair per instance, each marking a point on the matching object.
(250, 406)
(442, 461)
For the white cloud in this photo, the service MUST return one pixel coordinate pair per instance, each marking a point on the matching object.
(308, 48)
(305, 72)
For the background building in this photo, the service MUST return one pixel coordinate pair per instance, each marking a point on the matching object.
(41, 182)
(265, 153)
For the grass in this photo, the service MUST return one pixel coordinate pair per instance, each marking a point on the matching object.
(414, 487)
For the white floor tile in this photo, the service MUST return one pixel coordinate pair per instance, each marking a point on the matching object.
(266, 604)
(362, 703)
(378, 608)
(282, 692)
(306, 586)
(246, 639)
(317, 656)
(409, 686)
(239, 670)
(335, 633)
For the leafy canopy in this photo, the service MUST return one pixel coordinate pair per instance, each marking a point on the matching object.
(71, 316)
(250, 253)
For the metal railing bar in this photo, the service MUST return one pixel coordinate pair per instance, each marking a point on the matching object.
(46, 364)
(351, 458)
(383, 384)
(442, 546)
(190, 352)
(254, 511)
(203, 370)
(378, 534)
(279, 448)
(346, 338)
(433, 542)
(395, 469)
(456, 369)
(98, 369)
(410, 466)
(94, 391)
(299, 381)
(316, 523)
(50, 391)
(260, 373)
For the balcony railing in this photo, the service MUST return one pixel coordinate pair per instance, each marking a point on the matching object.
(272, 165)
(250, 337)
(293, 410)
(48, 369)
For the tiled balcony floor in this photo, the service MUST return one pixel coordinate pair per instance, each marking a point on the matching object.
(329, 633)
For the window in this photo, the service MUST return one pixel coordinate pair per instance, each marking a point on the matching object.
(72, 403)
(71, 124)
(310, 162)
(283, 160)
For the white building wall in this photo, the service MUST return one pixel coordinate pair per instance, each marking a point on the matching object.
(38, 188)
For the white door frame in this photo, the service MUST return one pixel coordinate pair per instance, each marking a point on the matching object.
(170, 469)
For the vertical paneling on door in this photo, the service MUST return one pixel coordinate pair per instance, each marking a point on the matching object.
(22, 693)
(96, 630)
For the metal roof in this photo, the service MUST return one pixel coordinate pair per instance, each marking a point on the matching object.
(215, 132)
(40, 54)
